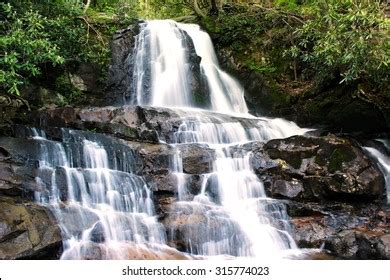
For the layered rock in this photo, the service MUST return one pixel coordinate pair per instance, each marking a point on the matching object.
(317, 169)
(27, 231)
(138, 123)
(332, 190)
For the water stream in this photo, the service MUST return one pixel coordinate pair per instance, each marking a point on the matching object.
(248, 223)
(383, 160)
(107, 202)
(99, 201)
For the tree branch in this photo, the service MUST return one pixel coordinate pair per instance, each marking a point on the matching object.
(86, 6)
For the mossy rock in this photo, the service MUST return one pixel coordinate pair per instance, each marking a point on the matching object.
(340, 156)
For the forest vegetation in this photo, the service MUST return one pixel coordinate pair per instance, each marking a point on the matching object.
(297, 44)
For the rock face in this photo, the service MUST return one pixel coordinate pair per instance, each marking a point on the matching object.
(317, 169)
(360, 244)
(118, 82)
(27, 231)
(138, 123)
(332, 191)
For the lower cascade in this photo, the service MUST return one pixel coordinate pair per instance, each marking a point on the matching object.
(383, 160)
(241, 220)
(105, 202)
(98, 186)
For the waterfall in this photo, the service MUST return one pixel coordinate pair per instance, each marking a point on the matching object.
(249, 223)
(104, 205)
(383, 161)
(166, 71)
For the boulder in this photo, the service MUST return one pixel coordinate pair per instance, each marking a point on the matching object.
(191, 226)
(361, 244)
(318, 168)
(197, 159)
(28, 231)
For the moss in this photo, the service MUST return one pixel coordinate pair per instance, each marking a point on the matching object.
(339, 156)
(295, 161)
(320, 160)
(200, 99)
(274, 97)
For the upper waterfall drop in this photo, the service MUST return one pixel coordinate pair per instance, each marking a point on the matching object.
(175, 65)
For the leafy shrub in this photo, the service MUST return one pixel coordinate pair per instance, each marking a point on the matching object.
(346, 39)
(25, 46)
(39, 35)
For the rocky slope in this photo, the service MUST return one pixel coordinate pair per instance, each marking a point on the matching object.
(332, 191)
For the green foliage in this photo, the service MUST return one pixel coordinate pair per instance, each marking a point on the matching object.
(64, 86)
(346, 39)
(257, 37)
(42, 38)
(25, 46)
(163, 8)
(288, 4)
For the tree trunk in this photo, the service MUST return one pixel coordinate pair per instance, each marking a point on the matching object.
(197, 9)
(87, 4)
(214, 8)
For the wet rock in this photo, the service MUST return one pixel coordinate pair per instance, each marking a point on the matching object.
(163, 202)
(318, 168)
(317, 224)
(288, 189)
(360, 244)
(121, 64)
(311, 232)
(76, 219)
(197, 159)
(28, 231)
(97, 233)
(19, 168)
(191, 226)
(128, 251)
(135, 123)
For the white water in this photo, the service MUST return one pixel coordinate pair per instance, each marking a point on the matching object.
(241, 203)
(162, 60)
(227, 95)
(248, 223)
(383, 162)
(103, 203)
(113, 207)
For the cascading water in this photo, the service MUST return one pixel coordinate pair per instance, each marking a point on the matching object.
(232, 196)
(166, 73)
(106, 208)
(103, 202)
(241, 220)
(383, 161)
